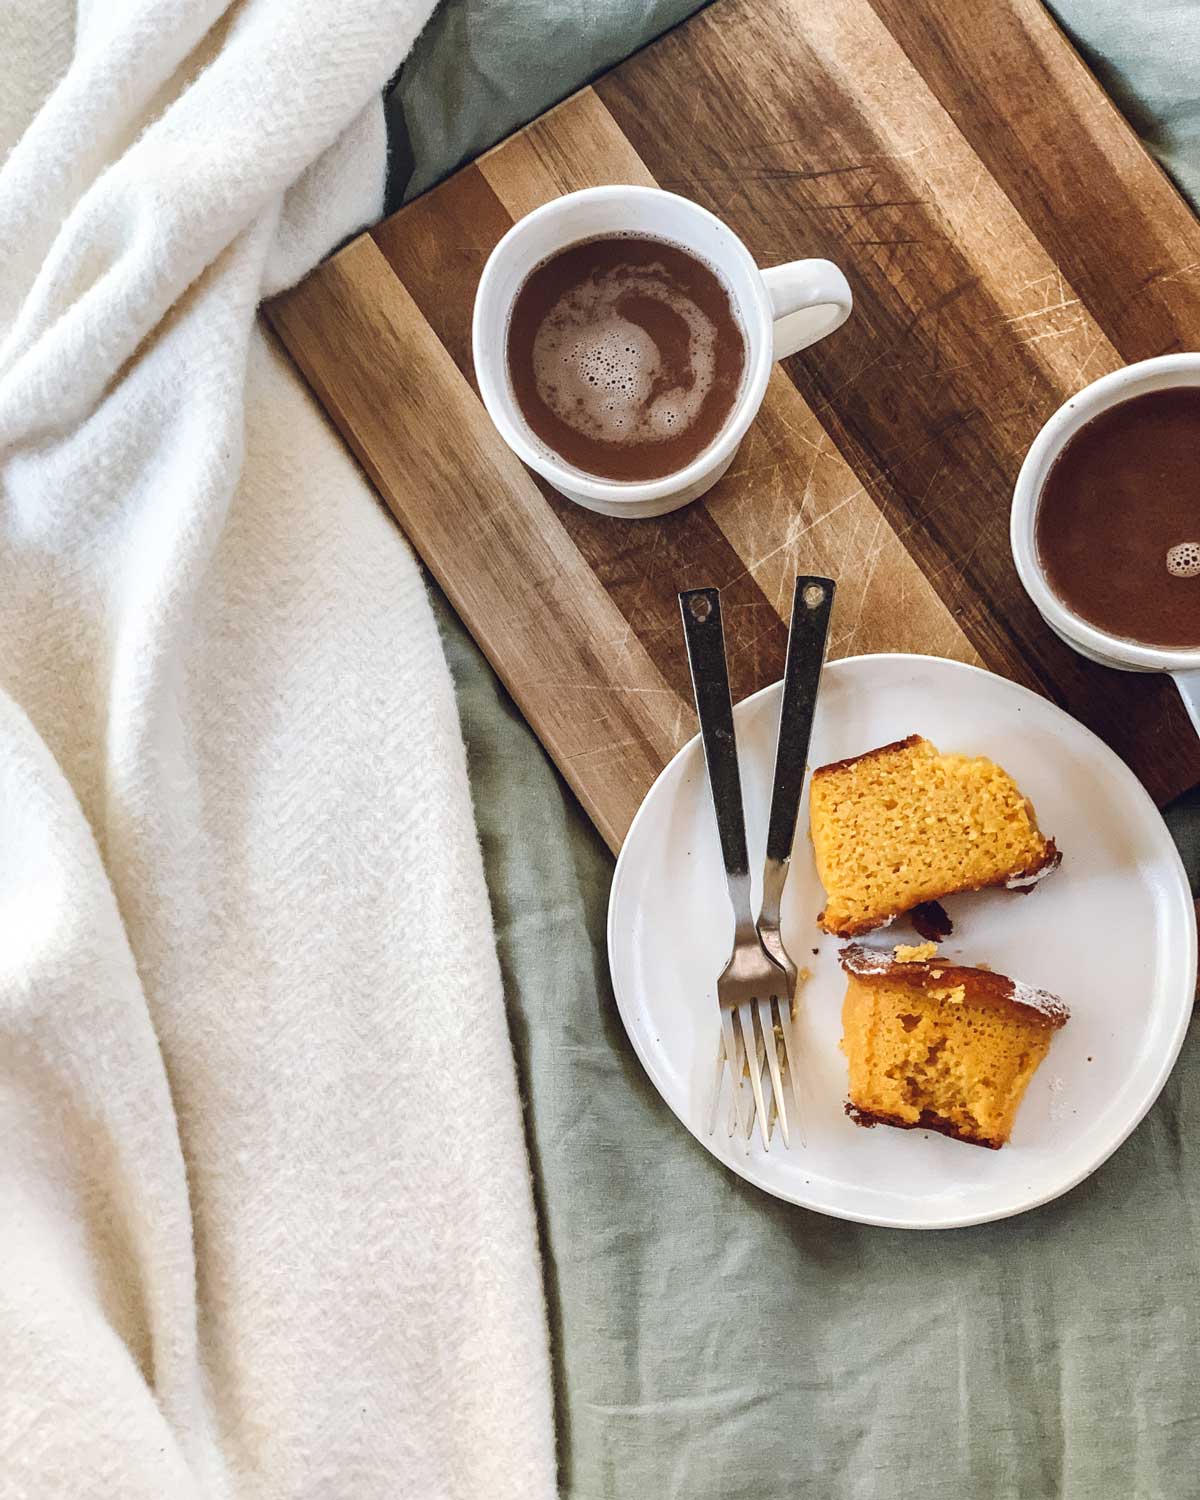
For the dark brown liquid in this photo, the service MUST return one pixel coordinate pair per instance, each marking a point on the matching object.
(1118, 508)
(625, 356)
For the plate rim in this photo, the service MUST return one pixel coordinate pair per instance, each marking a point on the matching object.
(952, 1221)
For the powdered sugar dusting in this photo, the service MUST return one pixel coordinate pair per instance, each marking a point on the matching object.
(858, 959)
(1027, 882)
(866, 962)
(1039, 1000)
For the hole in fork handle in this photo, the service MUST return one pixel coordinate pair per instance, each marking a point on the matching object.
(700, 607)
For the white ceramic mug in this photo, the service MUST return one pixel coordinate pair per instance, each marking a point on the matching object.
(781, 310)
(1110, 650)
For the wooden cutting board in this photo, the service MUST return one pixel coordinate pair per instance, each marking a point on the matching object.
(1007, 240)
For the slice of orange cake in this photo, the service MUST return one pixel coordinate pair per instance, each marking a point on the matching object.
(938, 1046)
(905, 824)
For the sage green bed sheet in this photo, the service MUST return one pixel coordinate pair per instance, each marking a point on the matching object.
(709, 1342)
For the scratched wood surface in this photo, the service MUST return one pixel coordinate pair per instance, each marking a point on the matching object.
(1007, 240)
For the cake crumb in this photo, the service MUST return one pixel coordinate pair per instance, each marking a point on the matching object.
(914, 953)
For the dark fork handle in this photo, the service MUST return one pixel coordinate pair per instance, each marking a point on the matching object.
(811, 606)
(705, 637)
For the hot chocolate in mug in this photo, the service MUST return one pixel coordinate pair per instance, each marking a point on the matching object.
(780, 310)
(1165, 372)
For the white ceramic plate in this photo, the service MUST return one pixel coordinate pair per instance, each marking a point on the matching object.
(1113, 932)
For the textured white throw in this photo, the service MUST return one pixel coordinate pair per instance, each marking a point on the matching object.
(265, 1218)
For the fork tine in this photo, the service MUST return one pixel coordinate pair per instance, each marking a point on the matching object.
(772, 1063)
(715, 1107)
(732, 1123)
(766, 1021)
(765, 1075)
(733, 1051)
(736, 1084)
(757, 1068)
(746, 1017)
(759, 1063)
(760, 1057)
(789, 1024)
(741, 1085)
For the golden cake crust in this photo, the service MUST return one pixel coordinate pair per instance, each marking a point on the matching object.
(909, 742)
(929, 1119)
(980, 986)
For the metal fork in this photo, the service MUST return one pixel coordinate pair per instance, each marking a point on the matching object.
(751, 979)
(812, 603)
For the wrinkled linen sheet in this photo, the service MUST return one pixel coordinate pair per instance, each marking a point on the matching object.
(265, 1218)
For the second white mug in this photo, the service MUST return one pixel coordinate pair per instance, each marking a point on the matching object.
(781, 309)
(1161, 373)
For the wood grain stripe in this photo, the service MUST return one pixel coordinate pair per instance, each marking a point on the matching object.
(771, 517)
(642, 564)
(577, 142)
(791, 504)
(1104, 210)
(574, 667)
(1007, 240)
(931, 163)
(437, 248)
(933, 390)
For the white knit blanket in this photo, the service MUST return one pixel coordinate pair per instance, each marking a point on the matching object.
(265, 1216)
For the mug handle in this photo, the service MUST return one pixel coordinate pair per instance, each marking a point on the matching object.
(810, 298)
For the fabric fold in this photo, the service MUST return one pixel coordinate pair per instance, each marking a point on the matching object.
(265, 1214)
